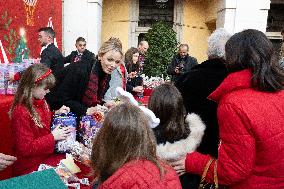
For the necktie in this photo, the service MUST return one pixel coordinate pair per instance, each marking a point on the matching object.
(78, 57)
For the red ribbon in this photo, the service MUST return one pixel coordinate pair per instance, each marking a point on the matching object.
(47, 73)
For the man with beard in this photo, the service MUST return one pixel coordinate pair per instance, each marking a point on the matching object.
(50, 55)
(181, 63)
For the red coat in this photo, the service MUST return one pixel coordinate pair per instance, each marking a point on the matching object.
(251, 153)
(32, 145)
(142, 174)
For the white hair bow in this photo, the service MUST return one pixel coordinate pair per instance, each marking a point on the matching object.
(154, 121)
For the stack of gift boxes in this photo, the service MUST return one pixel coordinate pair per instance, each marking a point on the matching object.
(78, 144)
(8, 70)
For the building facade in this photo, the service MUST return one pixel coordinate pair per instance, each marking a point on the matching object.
(193, 20)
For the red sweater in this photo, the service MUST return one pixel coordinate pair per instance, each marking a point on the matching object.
(142, 174)
(251, 153)
(32, 145)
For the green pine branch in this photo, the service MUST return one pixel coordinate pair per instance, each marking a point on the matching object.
(162, 46)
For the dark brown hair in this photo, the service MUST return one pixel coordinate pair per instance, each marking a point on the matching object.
(167, 104)
(80, 39)
(124, 136)
(27, 83)
(48, 30)
(129, 57)
(251, 49)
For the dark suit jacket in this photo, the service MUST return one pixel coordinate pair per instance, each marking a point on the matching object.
(86, 56)
(52, 58)
(188, 63)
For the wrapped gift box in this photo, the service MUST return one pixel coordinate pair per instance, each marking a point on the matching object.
(11, 69)
(89, 127)
(65, 120)
(148, 91)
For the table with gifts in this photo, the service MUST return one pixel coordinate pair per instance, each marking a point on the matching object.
(78, 144)
(6, 132)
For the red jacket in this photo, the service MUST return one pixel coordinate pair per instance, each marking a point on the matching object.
(251, 152)
(142, 174)
(32, 145)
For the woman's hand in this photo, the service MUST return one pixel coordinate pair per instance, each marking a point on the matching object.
(60, 133)
(179, 165)
(138, 89)
(63, 110)
(6, 160)
(132, 75)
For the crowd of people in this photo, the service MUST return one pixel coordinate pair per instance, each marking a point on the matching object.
(226, 114)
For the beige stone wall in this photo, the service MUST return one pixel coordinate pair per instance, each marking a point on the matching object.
(115, 21)
(199, 21)
(211, 11)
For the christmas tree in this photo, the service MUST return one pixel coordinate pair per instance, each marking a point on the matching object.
(22, 51)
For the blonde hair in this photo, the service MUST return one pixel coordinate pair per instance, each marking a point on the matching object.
(111, 44)
(27, 83)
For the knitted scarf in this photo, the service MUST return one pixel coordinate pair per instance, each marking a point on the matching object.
(97, 86)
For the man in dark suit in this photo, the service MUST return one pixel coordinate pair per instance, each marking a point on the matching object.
(50, 55)
(52, 58)
(81, 53)
(181, 63)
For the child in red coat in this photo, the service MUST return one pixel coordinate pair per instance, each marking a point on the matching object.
(31, 118)
(124, 153)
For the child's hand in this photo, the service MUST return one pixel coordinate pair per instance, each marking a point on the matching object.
(60, 133)
(110, 104)
(63, 110)
(11, 78)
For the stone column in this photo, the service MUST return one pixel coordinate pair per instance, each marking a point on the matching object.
(178, 19)
(237, 15)
(82, 18)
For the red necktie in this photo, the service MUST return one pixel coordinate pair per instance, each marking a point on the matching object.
(77, 58)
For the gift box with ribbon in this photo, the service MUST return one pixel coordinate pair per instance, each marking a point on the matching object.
(65, 120)
(89, 127)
